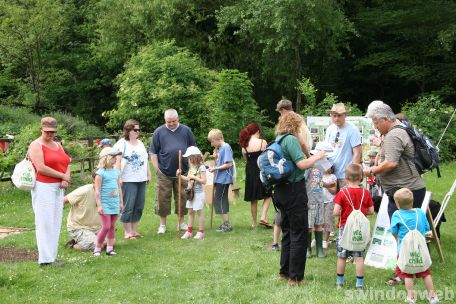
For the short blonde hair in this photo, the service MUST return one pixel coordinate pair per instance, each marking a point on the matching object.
(404, 198)
(105, 161)
(289, 123)
(354, 172)
(215, 134)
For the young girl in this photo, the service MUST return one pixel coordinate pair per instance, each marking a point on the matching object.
(108, 195)
(329, 192)
(196, 178)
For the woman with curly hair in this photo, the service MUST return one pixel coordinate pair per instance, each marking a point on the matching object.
(252, 146)
(291, 199)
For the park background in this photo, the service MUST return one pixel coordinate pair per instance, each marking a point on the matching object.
(94, 64)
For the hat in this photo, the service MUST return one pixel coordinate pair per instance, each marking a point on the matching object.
(284, 104)
(372, 153)
(192, 150)
(48, 124)
(338, 108)
(105, 142)
(109, 151)
(323, 146)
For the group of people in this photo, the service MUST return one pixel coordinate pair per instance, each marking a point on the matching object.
(308, 201)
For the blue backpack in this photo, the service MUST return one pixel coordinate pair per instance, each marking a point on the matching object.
(274, 168)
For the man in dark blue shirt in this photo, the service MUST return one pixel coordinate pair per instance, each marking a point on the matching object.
(167, 140)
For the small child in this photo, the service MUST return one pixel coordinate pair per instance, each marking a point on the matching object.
(316, 213)
(329, 192)
(223, 177)
(404, 202)
(196, 177)
(342, 209)
(108, 195)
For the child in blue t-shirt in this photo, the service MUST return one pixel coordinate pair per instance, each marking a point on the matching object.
(223, 176)
(316, 220)
(108, 195)
(408, 215)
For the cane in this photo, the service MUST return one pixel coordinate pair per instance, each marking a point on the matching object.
(215, 154)
(179, 200)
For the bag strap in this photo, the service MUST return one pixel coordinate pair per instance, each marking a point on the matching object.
(350, 200)
(283, 136)
(416, 224)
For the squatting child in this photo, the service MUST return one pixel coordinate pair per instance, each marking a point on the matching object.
(407, 215)
(196, 178)
(361, 199)
(223, 176)
(108, 195)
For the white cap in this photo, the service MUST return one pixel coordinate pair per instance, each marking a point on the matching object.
(192, 150)
(109, 151)
(323, 146)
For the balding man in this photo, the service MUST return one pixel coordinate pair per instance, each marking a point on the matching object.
(167, 140)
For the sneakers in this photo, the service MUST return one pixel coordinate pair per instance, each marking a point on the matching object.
(275, 247)
(410, 300)
(434, 299)
(225, 227)
(161, 229)
(182, 227)
(325, 244)
(199, 235)
(96, 253)
(186, 235)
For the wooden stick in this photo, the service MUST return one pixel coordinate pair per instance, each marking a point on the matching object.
(213, 201)
(179, 184)
(435, 236)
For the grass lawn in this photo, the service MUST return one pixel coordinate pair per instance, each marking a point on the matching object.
(234, 267)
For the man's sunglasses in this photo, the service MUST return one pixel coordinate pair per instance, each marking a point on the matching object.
(336, 140)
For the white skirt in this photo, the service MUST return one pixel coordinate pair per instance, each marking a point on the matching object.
(197, 203)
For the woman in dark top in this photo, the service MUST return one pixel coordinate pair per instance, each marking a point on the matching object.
(252, 146)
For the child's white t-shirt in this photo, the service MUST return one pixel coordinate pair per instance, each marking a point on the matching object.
(328, 179)
(137, 160)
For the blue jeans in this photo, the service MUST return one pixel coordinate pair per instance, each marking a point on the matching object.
(291, 199)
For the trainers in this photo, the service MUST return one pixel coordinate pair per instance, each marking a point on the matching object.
(161, 229)
(182, 227)
(410, 300)
(312, 244)
(325, 244)
(186, 235)
(96, 253)
(275, 247)
(199, 235)
(224, 228)
(434, 299)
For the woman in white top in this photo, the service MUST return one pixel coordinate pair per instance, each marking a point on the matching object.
(134, 165)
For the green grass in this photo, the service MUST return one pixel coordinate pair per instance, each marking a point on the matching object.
(224, 268)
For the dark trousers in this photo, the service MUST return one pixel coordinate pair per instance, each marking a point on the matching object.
(291, 199)
(418, 197)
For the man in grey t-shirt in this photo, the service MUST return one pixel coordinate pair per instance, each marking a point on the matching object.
(396, 167)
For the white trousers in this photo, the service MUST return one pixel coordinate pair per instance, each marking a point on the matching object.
(47, 202)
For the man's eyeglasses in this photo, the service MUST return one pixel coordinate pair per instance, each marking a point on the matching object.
(50, 132)
(136, 130)
(336, 140)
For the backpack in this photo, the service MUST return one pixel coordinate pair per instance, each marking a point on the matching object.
(24, 175)
(274, 168)
(356, 233)
(426, 154)
(414, 255)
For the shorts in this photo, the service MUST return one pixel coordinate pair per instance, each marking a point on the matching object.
(316, 212)
(278, 218)
(329, 216)
(85, 238)
(221, 204)
(165, 187)
(342, 253)
(197, 203)
(418, 275)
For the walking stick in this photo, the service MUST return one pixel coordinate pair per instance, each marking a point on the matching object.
(213, 188)
(179, 184)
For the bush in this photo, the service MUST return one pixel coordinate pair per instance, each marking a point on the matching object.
(13, 119)
(431, 116)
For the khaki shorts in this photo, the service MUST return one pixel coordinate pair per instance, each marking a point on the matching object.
(85, 238)
(164, 188)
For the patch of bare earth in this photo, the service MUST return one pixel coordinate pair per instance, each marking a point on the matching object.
(13, 254)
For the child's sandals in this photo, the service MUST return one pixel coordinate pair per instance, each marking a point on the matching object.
(111, 253)
(96, 253)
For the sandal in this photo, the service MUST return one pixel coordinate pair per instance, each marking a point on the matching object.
(395, 281)
(96, 253)
(139, 235)
(265, 224)
(111, 253)
(130, 237)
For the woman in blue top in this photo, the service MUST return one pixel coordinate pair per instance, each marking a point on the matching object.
(108, 195)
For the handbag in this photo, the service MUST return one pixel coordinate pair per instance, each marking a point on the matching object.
(24, 176)
(190, 192)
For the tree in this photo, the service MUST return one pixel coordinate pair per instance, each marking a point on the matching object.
(287, 35)
(30, 30)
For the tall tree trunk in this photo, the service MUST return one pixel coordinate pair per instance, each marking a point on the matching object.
(298, 71)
